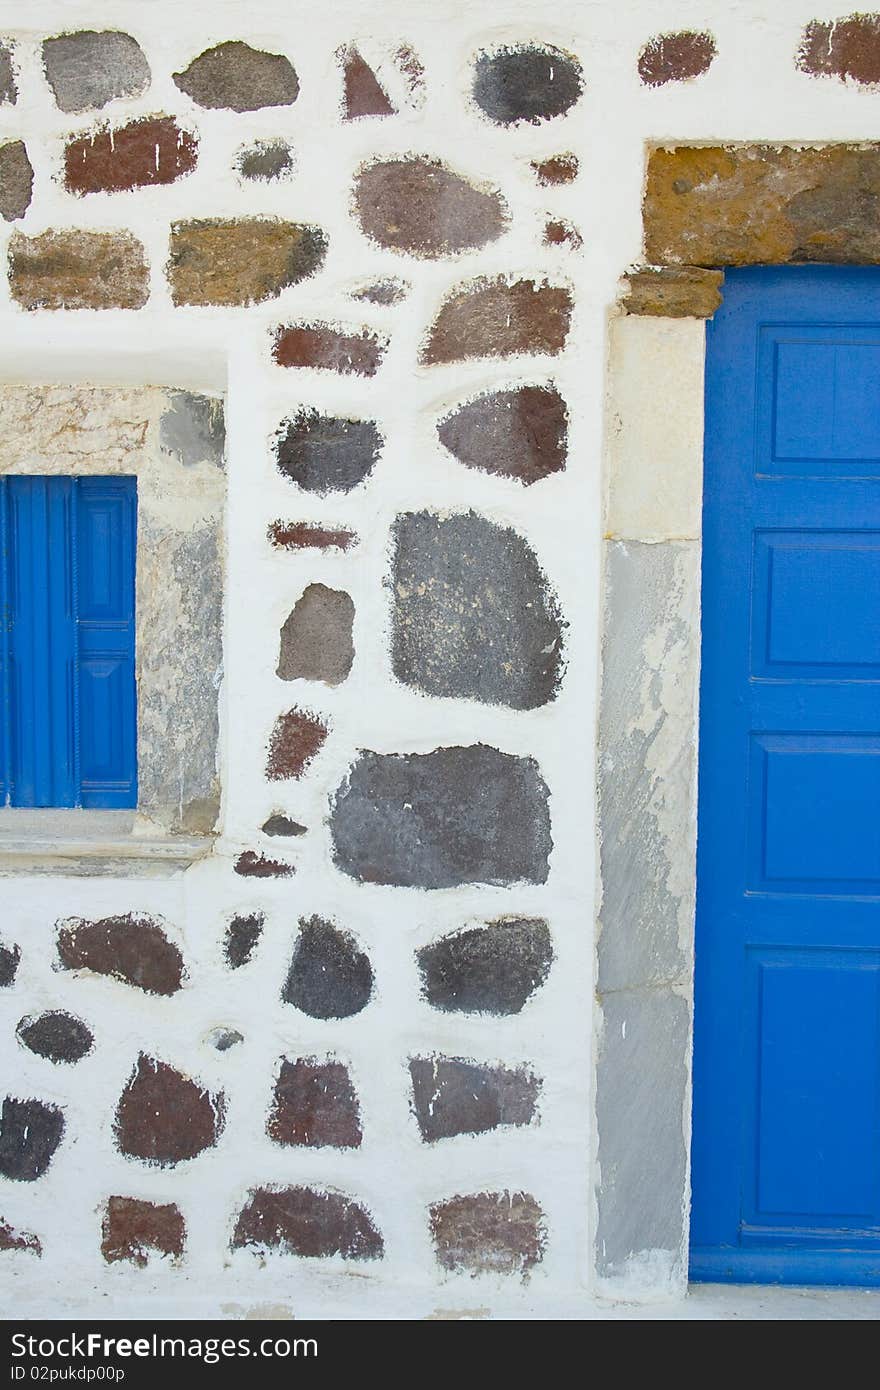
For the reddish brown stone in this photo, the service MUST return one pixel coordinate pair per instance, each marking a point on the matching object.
(250, 864)
(164, 1117)
(362, 93)
(452, 1095)
(848, 47)
(78, 270)
(319, 345)
(151, 151)
(303, 1221)
(674, 292)
(132, 1228)
(499, 317)
(242, 935)
(300, 535)
(560, 233)
(559, 168)
(489, 1232)
(314, 1105)
(129, 948)
(420, 206)
(296, 739)
(675, 57)
(521, 433)
(18, 1240)
(411, 67)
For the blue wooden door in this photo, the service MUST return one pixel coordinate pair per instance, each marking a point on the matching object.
(67, 672)
(786, 1141)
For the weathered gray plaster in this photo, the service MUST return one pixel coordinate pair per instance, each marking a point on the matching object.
(193, 428)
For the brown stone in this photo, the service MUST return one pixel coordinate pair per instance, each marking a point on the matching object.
(279, 824)
(16, 180)
(296, 739)
(521, 433)
(848, 47)
(300, 535)
(362, 94)
(319, 345)
(674, 292)
(78, 270)
(420, 206)
(129, 948)
(303, 1221)
(314, 1105)
(559, 168)
(132, 1228)
(499, 317)
(241, 262)
(151, 151)
(250, 864)
(18, 1240)
(489, 1233)
(164, 1117)
(452, 1095)
(316, 639)
(763, 205)
(560, 233)
(675, 57)
(239, 78)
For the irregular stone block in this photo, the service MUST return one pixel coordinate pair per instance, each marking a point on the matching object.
(238, 262)
(242, 935)
(16, 180)
(133, 949)
(329, 976)
(422, 207)
(316, 640)
(559, 168)
(848, 47)
(300, 535)
(278, 824)
(30, 1132)
(323, 453)
(325, 348)
(530, 82)
(9, 958)
(521, 433)
(762, 205)
(265, 161)
(489, 1233)
(384, 292)
(497, 318)
(132, 1229)
(225, 1038)
(441, 819)
(493, 969)
(18, 1240)
(303, 1221)
(164, 1117)
(151, 151)
(58, 1036)
(558, 232)
(78, 270)
(454, 1096)
(474, 616)
(676, 57)
(87, 69)
(314, 1105)
(362, 94)
(674, 292)
(250, 864)
(8, 89)
(193, 429)
(295, 740)
(240, 78)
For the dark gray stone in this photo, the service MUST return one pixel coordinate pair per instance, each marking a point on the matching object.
(242, 935)
(529, 83)
(265, 161)
(58, 1036)
(325, 454)
(474, 616)
(329, 977)
(278, 824)
(316, 640)
(384, 292)
(16, 180)
(87, 69)
(454, 1096)
(193, 429)
(30, 1132)
(239, 78)
(225, 1038)
(9, 958)
(8, 89)
(441, 819)
(492, 969)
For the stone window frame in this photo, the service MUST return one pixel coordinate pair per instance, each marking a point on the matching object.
(177, 818)
(648, 735)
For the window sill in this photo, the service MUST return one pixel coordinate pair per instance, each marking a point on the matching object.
(67, 843)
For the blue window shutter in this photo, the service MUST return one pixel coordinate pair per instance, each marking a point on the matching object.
(68, 675)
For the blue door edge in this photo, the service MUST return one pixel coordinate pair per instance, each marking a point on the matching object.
(819, 1268)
